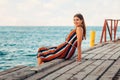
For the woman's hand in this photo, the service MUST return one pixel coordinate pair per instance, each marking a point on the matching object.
(78, 59)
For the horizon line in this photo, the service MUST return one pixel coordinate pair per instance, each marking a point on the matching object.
(44, 25)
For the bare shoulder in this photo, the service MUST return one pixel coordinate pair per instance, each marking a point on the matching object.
(80, 29)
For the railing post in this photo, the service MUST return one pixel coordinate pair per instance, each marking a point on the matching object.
(103, 30)
(111, 29)
(115, 28)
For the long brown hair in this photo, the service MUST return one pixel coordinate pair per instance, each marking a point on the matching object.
(83, 24)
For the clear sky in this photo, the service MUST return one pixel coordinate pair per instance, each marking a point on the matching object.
(56, 12)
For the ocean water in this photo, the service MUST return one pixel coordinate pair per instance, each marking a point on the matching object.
(18, 45)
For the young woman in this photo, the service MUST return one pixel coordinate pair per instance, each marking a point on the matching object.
(67, 48)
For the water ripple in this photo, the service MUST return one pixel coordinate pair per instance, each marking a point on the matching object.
(2, 53)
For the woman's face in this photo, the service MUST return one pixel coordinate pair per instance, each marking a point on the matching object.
(77, 21)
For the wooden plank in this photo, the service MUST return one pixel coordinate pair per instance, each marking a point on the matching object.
(115, 50)
(18, 75)
(90, 56)
(86, 71)
(115, 56)
(94, 50)
(12, 69)
(109, 54)
(95, 55)
(103, 49)
(96, 46)
(23, 75)
(83, 55)
(100, 55)
(106, 56)
(117, 44)
(50, 70)
(117, 75)
(79, 67)
(74, 70)
(111, 72)
(65, 76)
(61, 71)
(98, 49)
(47, 65)
(99, 70)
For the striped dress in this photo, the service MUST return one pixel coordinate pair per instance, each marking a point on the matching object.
(62, 51)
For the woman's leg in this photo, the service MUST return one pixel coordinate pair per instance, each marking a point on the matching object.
(50, 54)
(45, 48)
(40, 50)
(66, 50)
(56, 54)
(53, 56)
(44, 51)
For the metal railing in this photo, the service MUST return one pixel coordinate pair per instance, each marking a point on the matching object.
(111, 25)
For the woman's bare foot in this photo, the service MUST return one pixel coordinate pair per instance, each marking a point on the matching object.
(39, 61)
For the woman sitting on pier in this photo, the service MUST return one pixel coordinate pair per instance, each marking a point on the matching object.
(66, 49)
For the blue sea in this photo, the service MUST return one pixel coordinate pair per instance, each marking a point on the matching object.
(19, 44)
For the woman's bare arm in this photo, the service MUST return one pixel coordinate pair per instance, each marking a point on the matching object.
(79, 33)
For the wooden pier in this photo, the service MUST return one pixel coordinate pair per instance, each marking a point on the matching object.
(101, 62)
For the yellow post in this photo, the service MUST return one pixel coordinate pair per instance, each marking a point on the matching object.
(92, 38)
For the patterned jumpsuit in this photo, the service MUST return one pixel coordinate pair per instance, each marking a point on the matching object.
(62, 51)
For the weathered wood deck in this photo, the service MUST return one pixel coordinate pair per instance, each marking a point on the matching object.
(102, 62)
